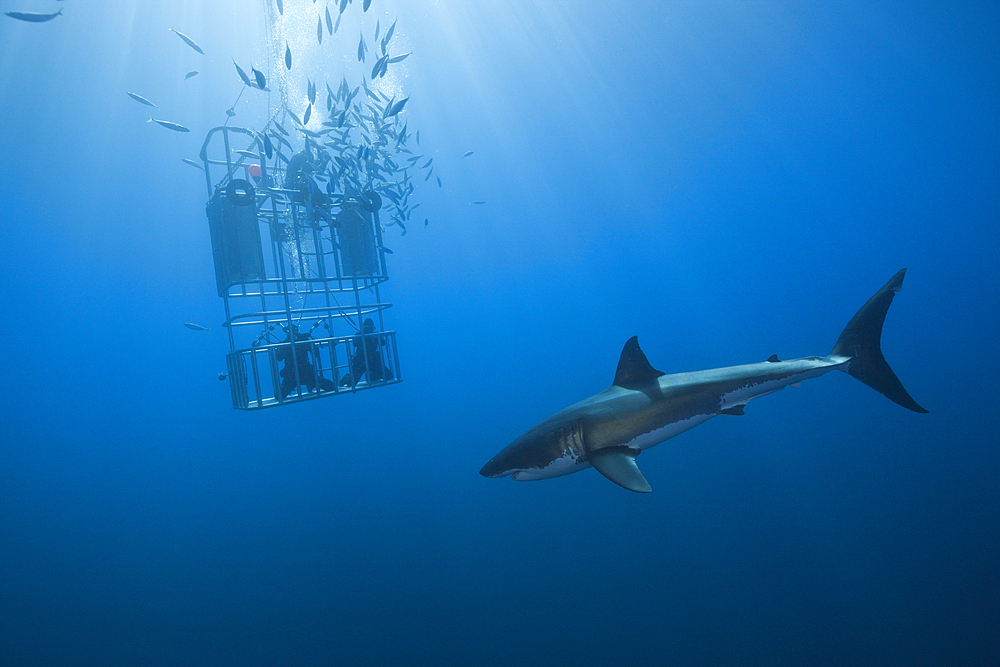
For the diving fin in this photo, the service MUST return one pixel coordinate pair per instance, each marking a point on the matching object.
(618, 465)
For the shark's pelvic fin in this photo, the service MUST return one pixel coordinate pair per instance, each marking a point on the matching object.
(861, 342)
(633, 367)
(618, 465)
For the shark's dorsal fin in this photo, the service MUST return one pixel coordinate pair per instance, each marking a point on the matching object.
(773, 359)
(633, 367)
(618, 465)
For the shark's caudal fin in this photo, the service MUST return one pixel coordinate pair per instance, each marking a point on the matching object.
(861, 341)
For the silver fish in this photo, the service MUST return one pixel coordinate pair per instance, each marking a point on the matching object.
(167, 124)
(187, 160)
(396, 108)
(329, 21)
(288, 56)
(319, 30)
(388, 35)
(367, 4)
(377, 69)
(196, 327)
(188, 41)
(141, 100)
(477, 202)
(32, 17)
(261, 81)
(190, 74)
(243, 75)
(468, 153)
(336, 26)
(281, 8)
(361, 49)
(399, 59)
(307, 114)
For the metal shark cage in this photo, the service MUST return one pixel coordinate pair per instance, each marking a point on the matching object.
(285, 268)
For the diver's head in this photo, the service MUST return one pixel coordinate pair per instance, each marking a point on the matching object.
(369, 326)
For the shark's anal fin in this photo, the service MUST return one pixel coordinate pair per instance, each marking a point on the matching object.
(633, 367)
(618, 465)
(735, 410)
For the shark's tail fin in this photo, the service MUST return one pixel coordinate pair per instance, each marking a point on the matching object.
(861, 342)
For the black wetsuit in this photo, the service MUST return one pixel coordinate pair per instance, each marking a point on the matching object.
(307, 374)
(298, 177)
(377, 371)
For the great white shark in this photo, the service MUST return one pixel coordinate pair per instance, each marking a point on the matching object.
(644, 407)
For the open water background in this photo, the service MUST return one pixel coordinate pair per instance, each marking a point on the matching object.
(725, 180)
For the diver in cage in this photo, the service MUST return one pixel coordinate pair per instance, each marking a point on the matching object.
(298, 177)
(366, 342)
(299, 359)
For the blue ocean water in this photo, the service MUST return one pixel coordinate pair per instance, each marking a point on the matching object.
(725, 180)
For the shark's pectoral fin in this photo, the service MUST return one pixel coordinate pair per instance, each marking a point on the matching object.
(735, 410)
(618, 465)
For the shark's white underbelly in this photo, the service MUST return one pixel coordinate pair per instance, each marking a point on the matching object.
(564, 465)
(656, 436)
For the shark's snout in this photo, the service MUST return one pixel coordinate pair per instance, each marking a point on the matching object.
(496, 467)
